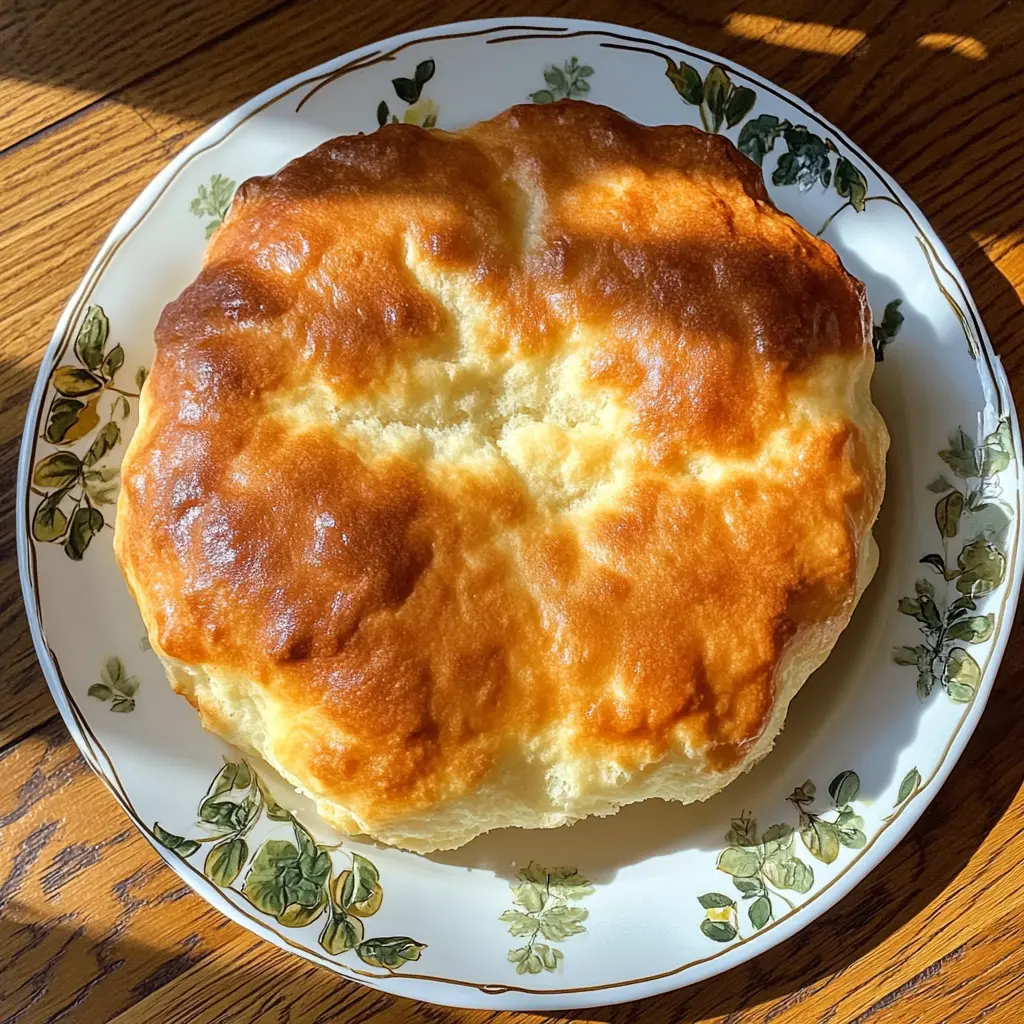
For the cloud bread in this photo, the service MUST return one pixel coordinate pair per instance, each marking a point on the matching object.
(504, 476)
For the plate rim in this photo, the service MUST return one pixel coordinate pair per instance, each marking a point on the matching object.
(497, 996)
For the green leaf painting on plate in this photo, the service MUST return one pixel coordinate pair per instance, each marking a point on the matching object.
(287, 875)
(824, 836)
(884, 333)
(88, 405)
(212, 201)
(116, 687)
(568, 82)
(546, 907)
(806, 161)
(764, 866)
(970, 518)
(910, 785)
(720, 102)
(420, 110)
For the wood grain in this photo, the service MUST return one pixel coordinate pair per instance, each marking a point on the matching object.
(89, 917)
(58, 57)
(94, 99)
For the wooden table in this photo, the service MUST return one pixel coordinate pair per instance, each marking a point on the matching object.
(95, 97)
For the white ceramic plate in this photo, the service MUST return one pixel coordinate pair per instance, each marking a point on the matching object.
(661, 895)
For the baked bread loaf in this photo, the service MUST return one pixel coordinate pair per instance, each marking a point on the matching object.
(504, 476)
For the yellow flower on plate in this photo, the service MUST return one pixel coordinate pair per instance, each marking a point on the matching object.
(423, 112)
(720, 913)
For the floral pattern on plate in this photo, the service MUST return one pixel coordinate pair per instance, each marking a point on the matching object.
(947, 610)
(292, 879)
(87, 405)
(546, 901)
(764, 866)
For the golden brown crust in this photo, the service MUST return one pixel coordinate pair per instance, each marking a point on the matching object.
(551, 426)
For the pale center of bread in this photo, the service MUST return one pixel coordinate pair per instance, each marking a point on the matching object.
(466, 400)
(466, 404)
(568, 441)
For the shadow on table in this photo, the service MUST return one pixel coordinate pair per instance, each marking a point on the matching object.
(64, 968)
(24, 700)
